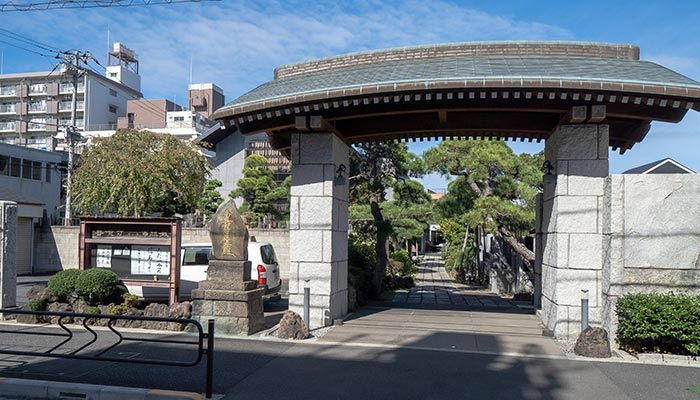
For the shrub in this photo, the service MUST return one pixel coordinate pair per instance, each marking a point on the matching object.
(129, 300)
(93, 310)
(663, 323)
(96, 283)
(37, 305)
(63, 283)
(361, 253)
(406, 267)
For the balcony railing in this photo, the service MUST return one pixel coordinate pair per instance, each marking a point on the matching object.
(8, 91)
(66, 105)
(7, 108)
(38, 124)
(7, 126)
(39, 88)
(41, 107)
(68, 87)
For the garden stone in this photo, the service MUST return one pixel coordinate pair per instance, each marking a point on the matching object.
(59, 307)
(180, 310)
(292, 326)
(38, 292)
(156, 310)
(593, 342)
(28, 319)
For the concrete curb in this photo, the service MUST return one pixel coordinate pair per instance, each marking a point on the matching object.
(34, 389)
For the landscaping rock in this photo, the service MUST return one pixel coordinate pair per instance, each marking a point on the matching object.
(38, 292)
(292, 326)
(28, 319)
(593, 342)
(59, 307)
(156, 310)
(179, 310)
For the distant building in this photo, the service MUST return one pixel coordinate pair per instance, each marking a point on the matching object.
(664, 166)
(35, 106)
(435, 195)
(230, 153)
(33, 179)
(205, 98)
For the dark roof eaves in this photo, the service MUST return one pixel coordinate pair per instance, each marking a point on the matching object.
(250, 106)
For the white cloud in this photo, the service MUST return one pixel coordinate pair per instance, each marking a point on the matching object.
(237, 44)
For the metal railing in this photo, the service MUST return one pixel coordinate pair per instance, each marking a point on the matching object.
(81, 353)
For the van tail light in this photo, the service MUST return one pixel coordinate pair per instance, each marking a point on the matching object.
(262, 275)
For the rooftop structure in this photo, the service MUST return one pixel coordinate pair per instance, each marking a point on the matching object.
(665, 166)
(483, 89)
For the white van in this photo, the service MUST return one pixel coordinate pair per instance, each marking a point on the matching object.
(195, 260)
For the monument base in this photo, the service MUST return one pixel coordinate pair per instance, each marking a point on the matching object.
(236, 306)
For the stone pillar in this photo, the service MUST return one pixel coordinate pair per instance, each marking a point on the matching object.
(318, 230)
(8, 256)
(572, 226)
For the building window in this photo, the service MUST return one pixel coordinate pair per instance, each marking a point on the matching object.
(4, 165)
(27, 169)
(36, 170)
(49, 169)
(112, 108)
(15, 167)
(113, 92)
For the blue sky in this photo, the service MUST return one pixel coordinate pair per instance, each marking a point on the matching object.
(237, 44)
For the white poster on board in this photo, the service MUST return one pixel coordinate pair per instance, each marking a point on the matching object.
(104, 256)
(150, 260)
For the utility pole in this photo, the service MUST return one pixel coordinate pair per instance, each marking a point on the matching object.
(71, 61)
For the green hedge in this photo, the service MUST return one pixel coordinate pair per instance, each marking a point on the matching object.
(96, 284)
(662, 323)
(62, 284)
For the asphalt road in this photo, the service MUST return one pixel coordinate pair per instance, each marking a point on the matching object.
(254, 369)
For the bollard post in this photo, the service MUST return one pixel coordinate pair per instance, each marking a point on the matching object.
(210, 358)
(307, 306)
(584, 309)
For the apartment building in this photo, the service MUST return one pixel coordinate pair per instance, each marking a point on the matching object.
(35, 106)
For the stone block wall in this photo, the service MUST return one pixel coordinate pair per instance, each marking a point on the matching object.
(56, 248)
(652, 237)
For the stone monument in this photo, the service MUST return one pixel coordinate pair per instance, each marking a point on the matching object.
(228, 295)
(8, 266)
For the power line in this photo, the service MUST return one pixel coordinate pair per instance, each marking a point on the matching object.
(30, 41)
(57, 4)
(26, 49)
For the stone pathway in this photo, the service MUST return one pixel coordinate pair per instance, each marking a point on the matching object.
(434, 289)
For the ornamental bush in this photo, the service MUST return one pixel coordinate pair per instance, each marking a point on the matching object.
(408, 269)
(662, 323)
(96, 284)
(63, 283)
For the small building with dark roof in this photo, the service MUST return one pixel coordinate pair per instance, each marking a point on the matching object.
(663, 166)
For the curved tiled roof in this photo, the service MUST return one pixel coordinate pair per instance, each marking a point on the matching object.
(449, 70)
(482, 89)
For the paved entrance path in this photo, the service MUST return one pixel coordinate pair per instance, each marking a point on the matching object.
(434, 287)
(441, 315)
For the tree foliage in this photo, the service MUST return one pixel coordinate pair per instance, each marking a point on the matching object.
(494, 187)
(137, 173)
(375, 167)
(259, 190)
(210, 200)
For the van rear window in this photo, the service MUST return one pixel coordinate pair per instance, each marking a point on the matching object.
(196, 256)
(268, 254)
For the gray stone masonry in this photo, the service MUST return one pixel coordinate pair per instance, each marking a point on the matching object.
(8, 246)
(318, 227)
(572, 227)
(235, 304)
